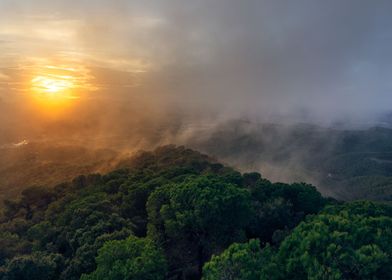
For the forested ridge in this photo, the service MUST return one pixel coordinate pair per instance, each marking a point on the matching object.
(347, 164)
(174, 213)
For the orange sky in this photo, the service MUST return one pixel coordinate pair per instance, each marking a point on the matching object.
(306, 58)
(53, 55)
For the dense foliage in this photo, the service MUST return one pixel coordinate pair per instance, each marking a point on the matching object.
(132, 258)
(241, 261)
(177, 214)
(351, 241)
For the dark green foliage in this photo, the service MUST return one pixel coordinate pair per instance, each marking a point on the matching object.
(11, 244)
(203, 214)
(32, 267)
(33, 200)
(347, 242)
(351, 241)
(75, 219)
(133, 258)
(280, 207)
(167, 212)
(238, 262)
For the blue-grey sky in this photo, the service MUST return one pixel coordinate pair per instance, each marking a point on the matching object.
(328, 60)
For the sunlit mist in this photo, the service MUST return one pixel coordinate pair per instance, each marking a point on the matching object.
(52, 86)
(55, 89)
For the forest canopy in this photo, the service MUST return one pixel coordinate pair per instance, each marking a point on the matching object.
(174, 213)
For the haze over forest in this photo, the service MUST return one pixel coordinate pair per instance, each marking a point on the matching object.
(126, 75)
(195, 140)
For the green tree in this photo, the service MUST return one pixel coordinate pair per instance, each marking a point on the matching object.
(241, 261)
(352, 241)
(33, 267)
(197, 218)
(11, 245)
(130, 259)
(280, 207)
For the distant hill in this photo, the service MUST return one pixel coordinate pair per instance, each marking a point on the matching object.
(343, 163)
(46, 164)
(334, 160)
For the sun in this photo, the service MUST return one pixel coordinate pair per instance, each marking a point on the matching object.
(55, 89)
(60, 81)
(51, 87)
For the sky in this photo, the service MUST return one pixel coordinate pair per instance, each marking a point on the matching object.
(306, 59)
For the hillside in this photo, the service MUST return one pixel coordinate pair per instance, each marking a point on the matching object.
(344, 164)
(333, 159)
(47, 164)
(174, 213)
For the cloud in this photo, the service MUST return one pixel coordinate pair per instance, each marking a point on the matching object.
(323, 60)
(4, 77)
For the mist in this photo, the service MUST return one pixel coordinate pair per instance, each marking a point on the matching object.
(233, 79)
(326, 61)
(205, 139)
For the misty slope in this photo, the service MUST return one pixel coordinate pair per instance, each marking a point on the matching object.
(46, 164)
(176, 214)
(347, 164)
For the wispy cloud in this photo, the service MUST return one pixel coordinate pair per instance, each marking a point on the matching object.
(328, 59)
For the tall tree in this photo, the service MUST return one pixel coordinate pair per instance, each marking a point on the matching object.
(197, 218)
(131, 259)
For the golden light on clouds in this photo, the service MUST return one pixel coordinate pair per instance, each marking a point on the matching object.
(55, 62)
(56, 88)
(52, 86)
(55, 82)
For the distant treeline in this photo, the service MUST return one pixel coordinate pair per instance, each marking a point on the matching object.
(347, 164)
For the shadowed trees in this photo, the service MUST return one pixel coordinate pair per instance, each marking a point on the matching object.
(176, 211)
(133, 258)
(197, 218)
(351, 241)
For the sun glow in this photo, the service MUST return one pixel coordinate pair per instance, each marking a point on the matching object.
(55, 83)
(55, 89)
(52, 86)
